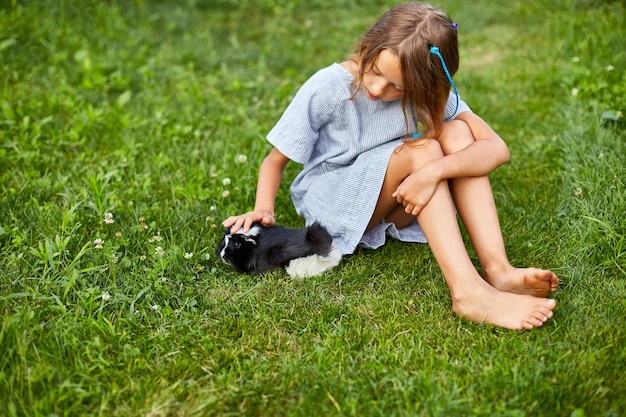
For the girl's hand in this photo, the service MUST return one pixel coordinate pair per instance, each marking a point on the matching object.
(416, 190)
(235, 223)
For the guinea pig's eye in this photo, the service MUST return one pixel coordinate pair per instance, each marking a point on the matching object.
(237, 245)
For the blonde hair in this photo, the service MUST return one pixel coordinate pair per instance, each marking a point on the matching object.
(409, 30)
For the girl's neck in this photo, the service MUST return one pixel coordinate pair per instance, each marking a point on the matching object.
(351, 67)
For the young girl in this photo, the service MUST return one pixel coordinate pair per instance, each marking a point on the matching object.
(368, 173)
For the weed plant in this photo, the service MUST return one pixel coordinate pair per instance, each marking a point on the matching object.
(130, 129)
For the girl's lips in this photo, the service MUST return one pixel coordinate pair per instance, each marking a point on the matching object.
(370, 95)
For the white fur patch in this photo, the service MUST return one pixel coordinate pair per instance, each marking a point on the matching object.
(254, 231)
(313, 265)
(223, 251)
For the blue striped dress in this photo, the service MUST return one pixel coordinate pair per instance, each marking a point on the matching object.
(344, 146)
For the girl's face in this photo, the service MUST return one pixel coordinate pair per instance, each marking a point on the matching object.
(384, 80)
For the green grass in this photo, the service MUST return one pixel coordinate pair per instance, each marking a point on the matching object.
(142, 109)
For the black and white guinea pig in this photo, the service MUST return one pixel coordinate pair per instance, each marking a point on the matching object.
(303, 252)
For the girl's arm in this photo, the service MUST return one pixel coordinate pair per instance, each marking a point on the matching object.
(484, 155)
(270, 174)
(484, 151)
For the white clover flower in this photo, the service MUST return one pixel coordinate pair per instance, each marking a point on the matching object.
(142, 258)
(225, 194)
(207, 256)
(575, 59)
(98, 243)
(610, 67)
(212, 208)
(242, 159)
(155, 307)
(108, 218)
(226, 181)
(157, 238)
(188, 255)
(106, 296)
(159, 251)
(575, 92)
(578, 191)
(113, 258)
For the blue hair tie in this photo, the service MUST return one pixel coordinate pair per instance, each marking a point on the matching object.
(435, 51)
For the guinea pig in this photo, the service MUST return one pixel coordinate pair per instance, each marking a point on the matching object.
(303, 252)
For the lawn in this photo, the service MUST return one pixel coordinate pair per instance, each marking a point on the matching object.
(130, 129)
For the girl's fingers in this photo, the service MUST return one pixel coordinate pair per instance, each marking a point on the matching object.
(268, 221)
(243, 222)
(233, 223)
(229, 222)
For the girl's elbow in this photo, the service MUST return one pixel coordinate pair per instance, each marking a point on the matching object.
(505, 155)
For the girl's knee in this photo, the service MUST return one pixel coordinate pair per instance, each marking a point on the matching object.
(422, 151)
(412, 155)
(455, 135)
(422, 148)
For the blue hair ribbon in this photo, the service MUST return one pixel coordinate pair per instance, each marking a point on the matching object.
(435, 51)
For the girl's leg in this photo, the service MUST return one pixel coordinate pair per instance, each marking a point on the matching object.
(474, 201)
(472, 297)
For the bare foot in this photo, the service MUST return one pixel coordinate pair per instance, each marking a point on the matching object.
(525, 281)
(482, 303)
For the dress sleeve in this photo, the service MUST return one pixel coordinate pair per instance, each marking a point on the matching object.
(297, 131)
(451, 110)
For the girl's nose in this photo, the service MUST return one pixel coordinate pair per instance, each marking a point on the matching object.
(378, 88)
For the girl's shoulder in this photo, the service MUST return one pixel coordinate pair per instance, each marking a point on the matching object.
(331, 80)
(334, 71)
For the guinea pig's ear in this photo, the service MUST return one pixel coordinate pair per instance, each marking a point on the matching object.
(251, 239)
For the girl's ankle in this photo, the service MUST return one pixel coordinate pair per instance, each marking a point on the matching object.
(494, 270)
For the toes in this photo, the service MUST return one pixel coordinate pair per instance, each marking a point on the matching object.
(528, 323)
(555, 283)
(543, 313)
(532, 322)
(537, 321)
